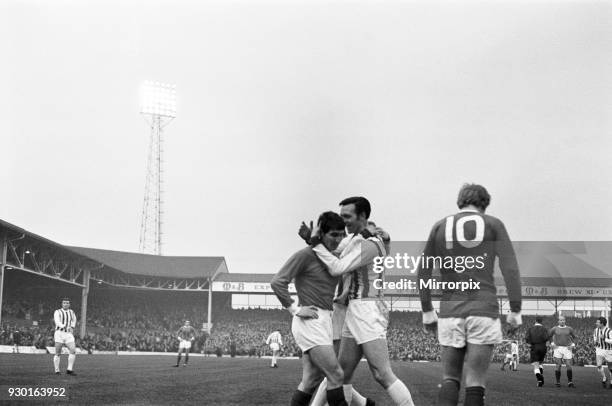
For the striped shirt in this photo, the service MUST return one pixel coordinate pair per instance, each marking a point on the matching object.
(600, 335)
(358, 259)
(275, 337)
(64, 319)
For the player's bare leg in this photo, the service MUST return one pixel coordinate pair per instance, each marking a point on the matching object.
(477, 358)
(452, 370)
(351, 395)
(377, 354)
(319, 361)
(71, 357)
(56, 357)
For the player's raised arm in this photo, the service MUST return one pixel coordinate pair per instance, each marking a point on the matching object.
(361, 253)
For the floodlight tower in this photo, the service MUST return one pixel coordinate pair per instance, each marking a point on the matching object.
(158, 106)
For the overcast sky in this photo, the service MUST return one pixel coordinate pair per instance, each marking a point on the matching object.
(287, 107)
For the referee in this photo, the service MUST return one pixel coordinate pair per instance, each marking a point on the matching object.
(536, 337)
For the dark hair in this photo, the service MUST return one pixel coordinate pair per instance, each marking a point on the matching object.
(65, 299)
(362, 205)
(475, 195)
(539, 319)
(602, 320)
(330, 221)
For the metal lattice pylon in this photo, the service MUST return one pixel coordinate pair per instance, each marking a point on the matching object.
(159, 108)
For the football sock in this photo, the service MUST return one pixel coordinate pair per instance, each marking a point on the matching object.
(320, 398)
(56, 362)
(348, 393)
(449, 393)
(558, 376)
(335, 397)
(569, 374)
(602, 372)
(539, 377)
(300, 398)
(355, 398)
(474, 396)
(71, 358)
(400, 394)
(178, 359)
(186, 357)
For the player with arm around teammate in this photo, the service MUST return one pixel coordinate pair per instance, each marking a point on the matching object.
(65, 322)
(311, 325)
(536, 337)
(563, 339)
(602, 336)
(186, 336)
(469, 324)
(367, 316)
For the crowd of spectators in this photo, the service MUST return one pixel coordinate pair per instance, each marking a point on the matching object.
(148, 321)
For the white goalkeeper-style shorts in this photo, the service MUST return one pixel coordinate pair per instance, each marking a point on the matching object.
(63, 337)
(366, 320)
(601, 355)
(563, 353)
(457, 332)
(184, 344)
(338, 317)
(274, 346)
(310, 333)
(510, 357)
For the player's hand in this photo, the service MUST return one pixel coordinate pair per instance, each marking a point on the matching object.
(308, 312)
(70, 330)
(430, 322)
(305, 231)
(573, 345)
(382, 234)
(514, 320)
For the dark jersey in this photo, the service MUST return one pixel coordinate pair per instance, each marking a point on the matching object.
(186, 333)
(314, 285)
(537, 335)
(464, 247)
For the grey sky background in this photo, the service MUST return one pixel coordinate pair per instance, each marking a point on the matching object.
(285, 108)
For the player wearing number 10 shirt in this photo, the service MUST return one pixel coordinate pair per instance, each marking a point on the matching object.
(469, 324)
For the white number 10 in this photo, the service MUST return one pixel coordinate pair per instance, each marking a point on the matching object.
(480, 226)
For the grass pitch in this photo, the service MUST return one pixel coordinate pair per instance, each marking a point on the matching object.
(151, 380)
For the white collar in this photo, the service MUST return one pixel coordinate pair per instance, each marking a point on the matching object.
(468, 210)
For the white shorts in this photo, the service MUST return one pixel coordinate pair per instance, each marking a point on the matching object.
(509, 356)
(184, 344)
(309, 333)
(563, 352)
(456, 332)
(274, 346)
(601, 355)
(63, 337)
(366, 320)
(338, 317)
